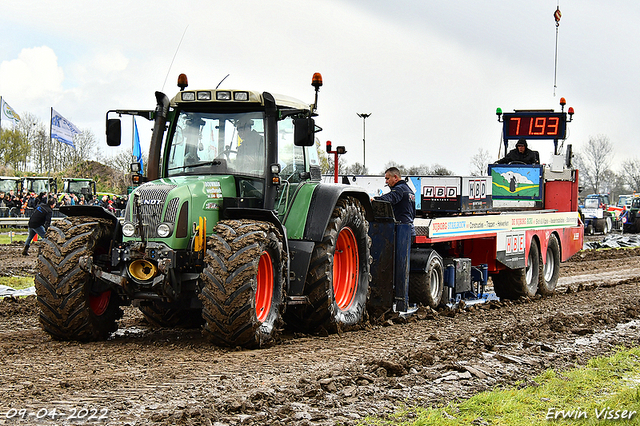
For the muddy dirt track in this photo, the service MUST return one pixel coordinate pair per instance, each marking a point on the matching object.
(145, 376)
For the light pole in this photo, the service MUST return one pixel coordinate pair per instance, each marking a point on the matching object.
(364, 152)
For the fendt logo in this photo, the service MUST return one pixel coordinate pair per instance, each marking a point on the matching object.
(151, 202)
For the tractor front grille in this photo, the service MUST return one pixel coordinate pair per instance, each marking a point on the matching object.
(151, 199)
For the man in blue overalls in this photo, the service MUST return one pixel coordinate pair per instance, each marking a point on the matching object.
(401, 197)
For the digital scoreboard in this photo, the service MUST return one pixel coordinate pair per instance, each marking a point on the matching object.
(534, 125)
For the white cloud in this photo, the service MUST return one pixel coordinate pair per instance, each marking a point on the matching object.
(432, 73)
(33, 77)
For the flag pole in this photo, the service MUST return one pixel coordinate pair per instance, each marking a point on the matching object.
(0, 113)
(50, 141)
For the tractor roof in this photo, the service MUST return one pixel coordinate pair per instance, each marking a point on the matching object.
(233, 96)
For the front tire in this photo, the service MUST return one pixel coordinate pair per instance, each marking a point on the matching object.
(337, 283)
(243, 283)
(72, 304)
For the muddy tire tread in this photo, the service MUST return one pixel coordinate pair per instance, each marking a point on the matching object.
(63, 289)
(229, 283)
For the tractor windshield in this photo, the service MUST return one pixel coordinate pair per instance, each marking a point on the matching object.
(217, 143)
(7, 185)
(591, 203)
(38, 186)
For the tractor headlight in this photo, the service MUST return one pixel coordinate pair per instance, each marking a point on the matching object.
(163, 230)
(128, 229)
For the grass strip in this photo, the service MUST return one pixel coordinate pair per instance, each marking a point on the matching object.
(605, 391)
(18, 283)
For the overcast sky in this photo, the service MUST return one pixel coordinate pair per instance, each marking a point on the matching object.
(431, 73)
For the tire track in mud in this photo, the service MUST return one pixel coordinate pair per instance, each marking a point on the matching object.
(169, 376)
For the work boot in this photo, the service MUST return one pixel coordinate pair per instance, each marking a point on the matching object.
(25, 251)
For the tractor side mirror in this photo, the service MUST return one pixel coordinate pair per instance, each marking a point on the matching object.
(304, 131)
(114, 131)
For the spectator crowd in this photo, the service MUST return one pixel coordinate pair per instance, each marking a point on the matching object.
(23, 204)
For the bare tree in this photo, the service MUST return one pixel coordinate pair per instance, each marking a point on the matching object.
(35, 133)
(356, 169)
(85, 146)
(630, 173)
(342, 164)
(594, 162)
(439, 170)
(392, 163)
(421, 170)
(480, 162)
(122, 163)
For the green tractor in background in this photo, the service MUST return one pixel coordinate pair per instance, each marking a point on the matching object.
(39, 184)
(232, 231)
(80, 186)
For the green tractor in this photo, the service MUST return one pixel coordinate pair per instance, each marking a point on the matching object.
(232, 231)
(80, 186)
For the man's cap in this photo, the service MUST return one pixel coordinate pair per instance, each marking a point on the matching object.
(522, 142)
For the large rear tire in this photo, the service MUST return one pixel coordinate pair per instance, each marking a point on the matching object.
(73, 306)
(550, 270)
(521, 282)
(242, 298)
(427, 287)
(337, 283)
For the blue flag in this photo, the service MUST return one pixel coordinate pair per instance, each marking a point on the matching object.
(62, 129)
(137, 150)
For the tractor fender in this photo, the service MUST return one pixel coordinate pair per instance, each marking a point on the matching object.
(256, 214)
(97, 212)
(323, 200)
(91, 211)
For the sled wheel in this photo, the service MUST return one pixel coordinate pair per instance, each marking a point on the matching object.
(243, 281)
(427, 287)
(72, 304)
(516, 283)
(337, 283)
(550, 271)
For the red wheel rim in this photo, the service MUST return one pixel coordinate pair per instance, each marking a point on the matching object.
(264, 290)
(345, 269)
(100, 303)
